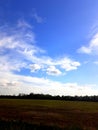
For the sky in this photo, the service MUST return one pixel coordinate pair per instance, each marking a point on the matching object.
(49, 47)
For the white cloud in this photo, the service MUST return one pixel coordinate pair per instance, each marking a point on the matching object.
(92, 48)
(96, 62)
(84, 49)
(23, 24)
(35, 67)
(18, 52)
(69, 64)
(52, 70)
(11, 65)
(38, 18)
(14, 84)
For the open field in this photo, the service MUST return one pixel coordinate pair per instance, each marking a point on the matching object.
(63, 114)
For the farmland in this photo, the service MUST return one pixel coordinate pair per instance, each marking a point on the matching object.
(62, 114)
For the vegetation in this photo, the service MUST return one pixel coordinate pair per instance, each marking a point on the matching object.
(50, 97)
(25, 114)
(18, 125)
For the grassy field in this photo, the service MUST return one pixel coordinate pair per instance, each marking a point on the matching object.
(71, 115)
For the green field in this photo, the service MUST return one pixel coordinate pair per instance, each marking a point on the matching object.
(63, 114)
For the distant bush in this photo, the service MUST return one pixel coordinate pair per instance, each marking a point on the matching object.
(47, 96)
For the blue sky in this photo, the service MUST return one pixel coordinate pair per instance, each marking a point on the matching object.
(49, 46)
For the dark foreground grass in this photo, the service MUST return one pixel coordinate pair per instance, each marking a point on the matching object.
(20, 114)
(18, 125)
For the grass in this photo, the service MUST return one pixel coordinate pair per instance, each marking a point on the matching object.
(71, 115)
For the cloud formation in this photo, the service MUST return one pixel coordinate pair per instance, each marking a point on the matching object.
(68, 64)
(96, 62)
(92, 48)
(14, 84)
(23, 24)
(52, 70)
(18, 51)
(35, 67)
(38, 18)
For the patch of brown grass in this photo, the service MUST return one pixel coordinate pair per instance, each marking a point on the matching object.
(59, 116)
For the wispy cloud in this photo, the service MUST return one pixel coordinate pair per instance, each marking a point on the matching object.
(95, 62)
(37, 17)
(19, 52)
(23, 24)
(92, 47)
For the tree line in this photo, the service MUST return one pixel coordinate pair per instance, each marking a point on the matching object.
(50, 97)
